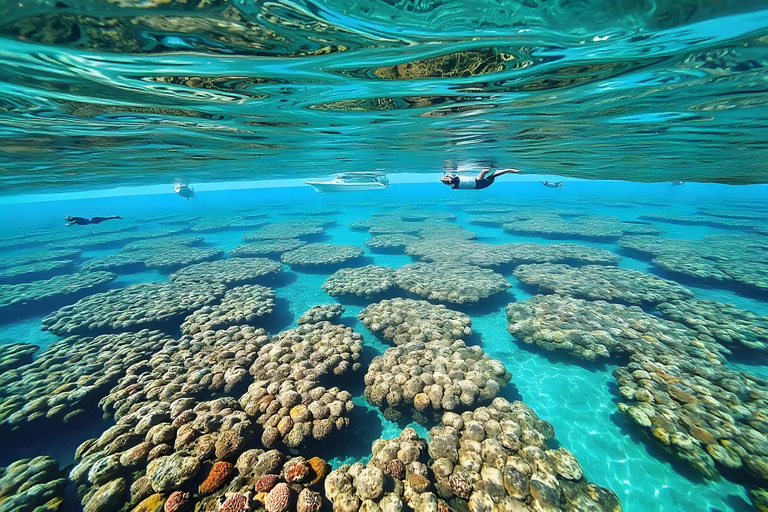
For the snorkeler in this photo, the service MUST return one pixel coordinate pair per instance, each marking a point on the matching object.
(482, 180)
(185, 191)
(80, 221)
(550, 184)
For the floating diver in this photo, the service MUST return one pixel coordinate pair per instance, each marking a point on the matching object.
(677, 183)
(550, 184)
(482, 180)
(81, 221)
(186, 191)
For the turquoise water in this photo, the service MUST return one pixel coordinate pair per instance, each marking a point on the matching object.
(653, 114)
(577, 397)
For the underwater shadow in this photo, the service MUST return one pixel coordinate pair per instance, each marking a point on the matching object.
(562, 357)
(283, 278)
(280, 318)
(487, 306)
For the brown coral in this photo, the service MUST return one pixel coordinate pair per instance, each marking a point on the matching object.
(235, 503)
(266, 483)
(418, 483)
(396, 469)
(216, 477)
(308, 501)
(176, 501)
(296, 470)
(277, 499)
(319, 470)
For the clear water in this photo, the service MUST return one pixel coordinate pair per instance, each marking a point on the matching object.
(105, 103)
(579, 399)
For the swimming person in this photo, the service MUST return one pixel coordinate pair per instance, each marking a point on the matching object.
(550, 184)
(80, 221)
(482, 180)
(185, 191)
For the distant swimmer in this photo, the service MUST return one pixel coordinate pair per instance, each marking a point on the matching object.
(551, 184)
(80, 221)
(482, 180)
(677, 183)
(185, 191)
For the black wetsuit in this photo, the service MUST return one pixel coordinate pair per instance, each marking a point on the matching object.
(80, 221)
(479, 183)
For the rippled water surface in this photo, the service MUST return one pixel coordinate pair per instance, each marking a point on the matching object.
(145, 91)
(579, 398)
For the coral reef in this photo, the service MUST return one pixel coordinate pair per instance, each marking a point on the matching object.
(34, 271)
(32, 485)
(138, 305)
(592, 329)
(16, 354)
(240, 305)
(365, 486)
(486, 255)
(161, 256)
(595, 227)
(595, 282)
(440, 374)
(716, 260)
(405, 320)
(393, 242)
(232, 271)
(321, 313)
(55, 288)
(367, 282)
(267, 248)
(321, 254)
(723, 323)
(497, 458)
(461, 284)
(71, 375)
(294, 228)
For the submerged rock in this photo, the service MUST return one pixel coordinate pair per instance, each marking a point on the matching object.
(55, 288)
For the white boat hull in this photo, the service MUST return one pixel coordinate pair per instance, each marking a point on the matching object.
(330, 186)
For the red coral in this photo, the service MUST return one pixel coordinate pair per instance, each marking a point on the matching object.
(266, 483)
(396, 469)
(176, 501)
(277, 499)
(296, 470)
(235, 503)
(216, 477)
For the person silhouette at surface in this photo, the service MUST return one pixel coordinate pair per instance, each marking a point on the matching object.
(550, 184)
(186, 191)
(482, 180)
(81, 221)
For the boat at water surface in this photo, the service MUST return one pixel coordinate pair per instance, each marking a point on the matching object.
(352, 181)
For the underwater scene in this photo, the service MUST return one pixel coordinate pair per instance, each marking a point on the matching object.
(597, 346)
(383, 256)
